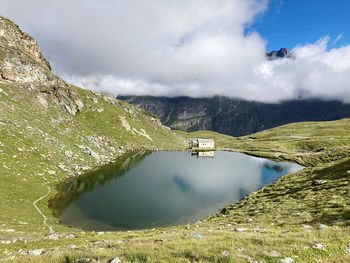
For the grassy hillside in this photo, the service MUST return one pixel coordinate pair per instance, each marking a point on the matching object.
(278, 222)
(308, 143)
(51, 131)
(41, 145)
(321, 191)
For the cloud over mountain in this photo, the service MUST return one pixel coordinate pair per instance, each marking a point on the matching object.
(170, 48)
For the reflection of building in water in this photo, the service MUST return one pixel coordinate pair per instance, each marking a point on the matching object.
(203, 154)
(197, 143)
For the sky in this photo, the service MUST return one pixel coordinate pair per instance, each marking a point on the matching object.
(194, 48)
(287, 23)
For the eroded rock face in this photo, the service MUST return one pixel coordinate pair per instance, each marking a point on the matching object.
(13, 36)
(20, 55)
(67, 99)
(282, 53)
(22, 63)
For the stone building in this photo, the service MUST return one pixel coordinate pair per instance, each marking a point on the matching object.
(198, 143)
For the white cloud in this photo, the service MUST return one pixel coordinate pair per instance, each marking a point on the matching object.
(315, 72)
(186, 47)
(339, 37)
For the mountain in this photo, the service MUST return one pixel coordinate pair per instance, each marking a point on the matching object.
(236, 117)
(51, 130)
(32, 95)
(276, 54)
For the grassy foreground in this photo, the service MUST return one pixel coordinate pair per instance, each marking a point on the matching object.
(279, 223)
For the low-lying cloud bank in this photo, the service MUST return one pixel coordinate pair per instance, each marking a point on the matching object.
(171, 48)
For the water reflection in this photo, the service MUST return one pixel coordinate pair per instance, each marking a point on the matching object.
(161, 189)
(72, 188)
(200, 154)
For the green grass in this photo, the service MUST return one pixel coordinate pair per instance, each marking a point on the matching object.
(35, 139)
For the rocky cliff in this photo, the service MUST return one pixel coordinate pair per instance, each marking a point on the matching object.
(276, 54)
(22, 64)
(236, 117)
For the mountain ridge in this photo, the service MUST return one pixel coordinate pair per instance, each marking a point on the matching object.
(234, 116)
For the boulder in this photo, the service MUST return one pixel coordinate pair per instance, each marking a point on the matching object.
(115, 260)
(287, 260)
(306, 226)
(275, 253)
(196, 236)
(319, 246)
(225, 253)
(36, 252)
(318, 182)
(53, 237)
(241, 229)
(72, 246)
(90, 152)
(321, 226)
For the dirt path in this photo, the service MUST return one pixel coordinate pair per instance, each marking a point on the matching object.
(41, 213)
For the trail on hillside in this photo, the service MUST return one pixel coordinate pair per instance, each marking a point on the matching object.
(41, 213)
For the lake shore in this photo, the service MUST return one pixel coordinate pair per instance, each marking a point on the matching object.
(283, 217)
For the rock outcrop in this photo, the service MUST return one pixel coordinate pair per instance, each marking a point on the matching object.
(22, 63)
(276, 54)
(12, 36)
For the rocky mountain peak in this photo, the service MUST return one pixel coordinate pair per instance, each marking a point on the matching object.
(23, 66)
(21, 60)
(12, 36)
(282, 53)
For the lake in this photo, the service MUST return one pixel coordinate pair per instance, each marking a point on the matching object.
(157, 189)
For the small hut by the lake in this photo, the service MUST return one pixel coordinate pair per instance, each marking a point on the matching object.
(203, 144)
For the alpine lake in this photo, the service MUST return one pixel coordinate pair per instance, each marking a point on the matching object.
(144, 189)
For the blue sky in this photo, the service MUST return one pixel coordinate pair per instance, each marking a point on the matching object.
(287, 23)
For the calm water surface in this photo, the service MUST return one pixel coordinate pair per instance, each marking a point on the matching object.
(145, 190)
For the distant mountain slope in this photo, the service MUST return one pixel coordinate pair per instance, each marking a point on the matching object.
(236, 117)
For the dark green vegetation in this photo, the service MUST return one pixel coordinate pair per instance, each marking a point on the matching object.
(50, 131)
(236, 117)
